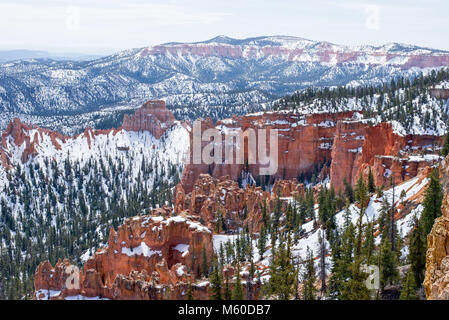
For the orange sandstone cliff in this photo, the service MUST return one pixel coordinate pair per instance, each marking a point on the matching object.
(304, 143)
(148, 257)
(358, 146)
(309, 144)
(436, 282)
(224, 206)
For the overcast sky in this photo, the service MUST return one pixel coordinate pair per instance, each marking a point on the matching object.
(104, 26)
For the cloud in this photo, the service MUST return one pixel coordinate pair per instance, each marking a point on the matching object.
(138, 23)
(160, 14)
(113, 24)
(155, 14)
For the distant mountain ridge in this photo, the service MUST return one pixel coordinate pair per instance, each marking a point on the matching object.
(218, 78)
(20, 54)
(300, 49)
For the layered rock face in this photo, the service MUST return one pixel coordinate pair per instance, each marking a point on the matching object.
(308, 144)
(304, 143)
(436, 282)
(223, 206)
(19, 134)
(298, 49)
(153, 117)
(348, 143)
(148, 257)
(212, 197)
(358, 146)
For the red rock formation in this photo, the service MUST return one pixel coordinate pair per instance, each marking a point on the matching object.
(358, 146)
(307, 143)
(436, 282)
(323, 52)
(439, 93)
(193, 170)
(49, 278)
(288, 188)
(347, 144)
(149, 257)
(304, 142)
(20, 133)
(213, 200)
(153, 117)
(211, 197)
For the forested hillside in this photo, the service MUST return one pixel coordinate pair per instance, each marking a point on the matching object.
(406, 102)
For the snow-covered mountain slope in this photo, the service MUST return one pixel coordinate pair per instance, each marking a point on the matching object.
(127, 146)
(411, 106)
(407, 208)
(56, 189)
(74, 124)
(219, 77)
(137, 159)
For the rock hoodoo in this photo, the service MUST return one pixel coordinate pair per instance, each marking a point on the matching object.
(148, 257)
(224, 206)
(358, 146)
(153, 117)
(340, 145)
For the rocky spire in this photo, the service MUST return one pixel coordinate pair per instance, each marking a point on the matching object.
(153, 117)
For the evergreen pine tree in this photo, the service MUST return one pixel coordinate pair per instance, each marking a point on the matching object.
(417, 252)
(371, 185)
(309, 278)
(237, 291)
(356, 288)
(215, 281)
(368, 246)
(204, 264)
(432, 203)
(282, 272)
(322, 264)
(409, 287)
(189, 292)
(445, 148)
(262, 241)
(388, 265)
(227, 295)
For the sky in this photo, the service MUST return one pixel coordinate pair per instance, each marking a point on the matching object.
(106, 26)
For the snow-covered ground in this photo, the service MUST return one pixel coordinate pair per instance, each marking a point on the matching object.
(131, 147)
(55, 293)
(125, 152)
(311, 239)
